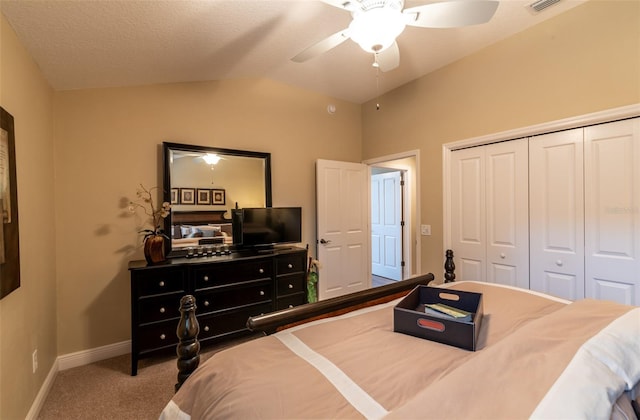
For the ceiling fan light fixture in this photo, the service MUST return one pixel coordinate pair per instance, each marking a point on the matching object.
(375, 30)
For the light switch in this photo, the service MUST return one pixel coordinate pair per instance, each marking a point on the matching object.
(425, 230)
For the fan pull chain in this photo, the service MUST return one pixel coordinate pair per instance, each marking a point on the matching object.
(377, 84)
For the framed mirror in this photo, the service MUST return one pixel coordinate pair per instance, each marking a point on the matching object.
(203, 185)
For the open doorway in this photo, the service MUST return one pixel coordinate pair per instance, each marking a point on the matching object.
(394, 197)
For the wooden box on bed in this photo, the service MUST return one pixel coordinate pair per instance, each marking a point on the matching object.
(409, 316)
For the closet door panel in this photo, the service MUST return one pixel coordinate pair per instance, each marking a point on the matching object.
(468, 213)
(556, 214)
(612, 211)
(507, 217)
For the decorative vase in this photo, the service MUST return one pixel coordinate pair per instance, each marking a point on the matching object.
(154, 249)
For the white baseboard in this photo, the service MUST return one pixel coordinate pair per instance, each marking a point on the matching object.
(34, 411)
(71, 360)
(84, 357)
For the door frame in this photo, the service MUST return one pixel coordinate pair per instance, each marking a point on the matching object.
(609, 115)
(411, 248)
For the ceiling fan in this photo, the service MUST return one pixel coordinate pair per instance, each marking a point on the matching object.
(377, 23)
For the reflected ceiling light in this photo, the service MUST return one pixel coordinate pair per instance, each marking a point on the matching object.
(211, 158)
(377, 28)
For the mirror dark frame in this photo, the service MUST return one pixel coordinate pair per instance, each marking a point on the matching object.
(168, 147)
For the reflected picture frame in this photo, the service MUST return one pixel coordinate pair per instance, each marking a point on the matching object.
(218, 197)
(203, 196)
(187, 196)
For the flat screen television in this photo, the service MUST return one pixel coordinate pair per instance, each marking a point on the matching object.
(266, 226)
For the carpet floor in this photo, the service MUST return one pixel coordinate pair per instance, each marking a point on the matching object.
(106, 390)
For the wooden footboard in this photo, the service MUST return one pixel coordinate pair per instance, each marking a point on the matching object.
(286, 318)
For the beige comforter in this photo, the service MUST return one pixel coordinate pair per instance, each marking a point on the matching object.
(355, 366)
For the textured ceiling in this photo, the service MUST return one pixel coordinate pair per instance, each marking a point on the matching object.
(89, 43)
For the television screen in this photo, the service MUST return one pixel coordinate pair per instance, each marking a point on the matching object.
(266, 226)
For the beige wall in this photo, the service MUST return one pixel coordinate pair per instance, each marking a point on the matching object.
(28, 315)
(108, 141)
(584, 61)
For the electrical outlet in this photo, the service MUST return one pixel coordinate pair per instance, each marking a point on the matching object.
(34, 360)
(425, 230)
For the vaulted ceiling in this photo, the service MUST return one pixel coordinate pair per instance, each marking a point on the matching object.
(87, 43)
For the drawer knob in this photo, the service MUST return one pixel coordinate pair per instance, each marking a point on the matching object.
(206, 303)
(161, 283)
(503, 256)
(261, 292)
(261, 271)
(162, 310)
(290, 306)
(290, 286)
(559, 263)
(206, 328)
(162, 336)
(290, 265)
(206, 278)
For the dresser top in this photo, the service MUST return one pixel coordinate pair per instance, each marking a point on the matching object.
(242, 255)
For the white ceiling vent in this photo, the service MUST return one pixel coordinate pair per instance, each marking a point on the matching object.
(539, 5)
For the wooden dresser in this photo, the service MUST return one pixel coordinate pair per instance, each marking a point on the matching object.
(228, 290)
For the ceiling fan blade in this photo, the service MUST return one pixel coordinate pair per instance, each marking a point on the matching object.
(322, 46)
(451, 14)
(349, 5)
(389, 59)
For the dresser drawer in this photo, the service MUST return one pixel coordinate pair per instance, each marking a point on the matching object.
(156, 336)
(291, 301)
(153, 282)
(159, 308)
(228, 273)
(288, 264)
(228, 297)
(293, 283)
(229, 322)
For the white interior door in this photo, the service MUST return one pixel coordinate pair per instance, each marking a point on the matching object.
(612, 211)
(507, 207)
(342, 190)
(468, 213)
(386, 225)
(556, 209)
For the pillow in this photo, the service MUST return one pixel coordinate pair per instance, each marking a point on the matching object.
(208, 231)
(195, 233)
(185, 230)
(176, 232)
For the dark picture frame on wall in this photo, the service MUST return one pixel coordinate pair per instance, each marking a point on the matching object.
(203, 196)
(218, 197)
(9, 236)
(187, 196)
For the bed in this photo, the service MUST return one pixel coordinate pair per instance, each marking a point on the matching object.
(537, 357)
(198, 228)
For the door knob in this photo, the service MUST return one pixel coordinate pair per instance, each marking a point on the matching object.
(324, 241)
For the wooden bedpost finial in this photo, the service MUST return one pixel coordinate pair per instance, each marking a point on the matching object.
(449, 267)
(188, 349)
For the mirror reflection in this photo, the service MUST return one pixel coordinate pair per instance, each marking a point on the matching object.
(203, 185)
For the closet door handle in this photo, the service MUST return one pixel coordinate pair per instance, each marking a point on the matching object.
(324, 241)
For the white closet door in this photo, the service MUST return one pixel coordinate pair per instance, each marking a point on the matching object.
(556, 206)
(468, 213)
(612, 211)
(507, 217)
